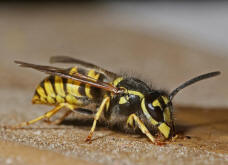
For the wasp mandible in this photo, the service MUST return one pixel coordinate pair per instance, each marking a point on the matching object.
(125, 102)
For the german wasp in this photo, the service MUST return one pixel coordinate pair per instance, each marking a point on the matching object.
(125, 102)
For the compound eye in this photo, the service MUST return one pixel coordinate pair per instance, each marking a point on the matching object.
(155, 111)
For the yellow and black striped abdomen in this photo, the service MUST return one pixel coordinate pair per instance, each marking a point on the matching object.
(54, 89)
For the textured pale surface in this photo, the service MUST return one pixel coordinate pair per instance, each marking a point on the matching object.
(207, 129)
(34, 35)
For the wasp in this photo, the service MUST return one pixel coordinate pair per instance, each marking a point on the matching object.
(125, 102)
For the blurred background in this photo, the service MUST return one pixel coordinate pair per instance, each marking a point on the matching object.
(163, 43)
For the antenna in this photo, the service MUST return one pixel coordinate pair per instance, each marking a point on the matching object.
(192, 81)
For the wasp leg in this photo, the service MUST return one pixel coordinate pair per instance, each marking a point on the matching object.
(46, 115)
(103, 105)
(134, 119)
(59, 120)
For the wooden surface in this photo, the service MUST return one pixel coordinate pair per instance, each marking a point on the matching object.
(206, 142)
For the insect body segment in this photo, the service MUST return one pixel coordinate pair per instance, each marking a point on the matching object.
(125, 102)
(55, 89)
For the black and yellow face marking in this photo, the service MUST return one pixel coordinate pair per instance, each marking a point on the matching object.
(130, 101)
(157, 109)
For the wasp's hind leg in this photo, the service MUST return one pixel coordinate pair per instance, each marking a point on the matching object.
(67, 113)
(59, 120)
(104, 104)
(46, 115)
(133, 119)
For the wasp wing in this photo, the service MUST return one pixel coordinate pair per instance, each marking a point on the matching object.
(76, 76)
(87, 65)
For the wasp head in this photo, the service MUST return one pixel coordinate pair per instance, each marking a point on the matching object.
(157, 106)
(158, 110)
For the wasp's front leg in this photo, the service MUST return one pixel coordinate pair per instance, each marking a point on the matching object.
(133, 119)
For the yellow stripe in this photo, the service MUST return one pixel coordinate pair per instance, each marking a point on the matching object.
(117, 81)
(49, 89)
(164, 129)
(146, 113)
(36, 99)
(156, 103)
(87, 91)
(72, 100)
(60, 99)
(50, 100)
(166, 100)
(73, 70)
(87, 87)
(41, 92)
(73, 86)
(123, 100)
(93, 74)
(59, 86)
(167, 115)
(43, 100)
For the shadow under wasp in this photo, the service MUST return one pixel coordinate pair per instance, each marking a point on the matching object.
(126, 102)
